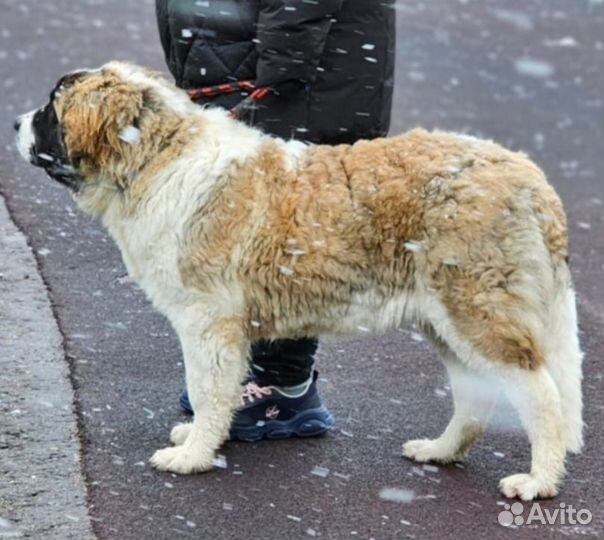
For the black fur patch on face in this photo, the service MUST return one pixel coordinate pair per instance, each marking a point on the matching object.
(49, 150)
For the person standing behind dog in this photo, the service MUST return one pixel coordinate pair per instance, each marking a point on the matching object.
(329, 69)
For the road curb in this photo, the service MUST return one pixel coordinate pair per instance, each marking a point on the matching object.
(42, 492)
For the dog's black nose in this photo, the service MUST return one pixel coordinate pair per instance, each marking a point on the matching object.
(17, 124)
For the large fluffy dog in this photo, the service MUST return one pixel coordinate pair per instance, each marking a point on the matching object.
(236, 236)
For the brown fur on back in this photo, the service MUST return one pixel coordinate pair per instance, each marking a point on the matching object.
(374, 216)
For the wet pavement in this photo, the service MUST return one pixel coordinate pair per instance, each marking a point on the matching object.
(528, 74)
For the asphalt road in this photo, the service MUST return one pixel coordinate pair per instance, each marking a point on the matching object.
(528, 74)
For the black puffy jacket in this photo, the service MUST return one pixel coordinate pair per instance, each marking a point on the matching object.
(331, 62)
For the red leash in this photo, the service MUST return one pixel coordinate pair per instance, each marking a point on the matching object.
(226, 88)
(255, 94)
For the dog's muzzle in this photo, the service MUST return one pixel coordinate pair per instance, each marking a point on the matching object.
(40, 142)
(26, 139)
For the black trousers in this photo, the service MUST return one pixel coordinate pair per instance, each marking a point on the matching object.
(284, 362)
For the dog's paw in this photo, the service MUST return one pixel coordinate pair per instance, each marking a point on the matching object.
(179, 433)
(527, 487)
(425, 450)
(574, 442)
(180, 460)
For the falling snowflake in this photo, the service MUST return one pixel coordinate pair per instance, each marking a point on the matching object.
(130, 135)
(414, 246)
(533, 67)
(397, 495)
(323, 472)
(567, 41)
(220, 461)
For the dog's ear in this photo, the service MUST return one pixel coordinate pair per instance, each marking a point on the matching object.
(101, 119)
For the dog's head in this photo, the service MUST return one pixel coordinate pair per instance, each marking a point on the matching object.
(102, 126)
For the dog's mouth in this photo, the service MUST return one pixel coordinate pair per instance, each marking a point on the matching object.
(57, 167)
(39, 159)
(40, 141)
(61, 172)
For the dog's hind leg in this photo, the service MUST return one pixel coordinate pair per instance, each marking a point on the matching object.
(510, 347)
(473, 401)
(499, 327)
(535, 396)
(215, 361)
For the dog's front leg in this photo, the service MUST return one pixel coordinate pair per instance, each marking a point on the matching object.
(215, 363)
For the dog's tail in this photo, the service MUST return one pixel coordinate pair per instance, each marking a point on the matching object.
(563, 355)
(562, 351)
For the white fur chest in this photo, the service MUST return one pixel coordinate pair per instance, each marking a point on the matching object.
(150, 244)
(150, 236)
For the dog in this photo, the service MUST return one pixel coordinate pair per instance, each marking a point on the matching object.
(236, 235)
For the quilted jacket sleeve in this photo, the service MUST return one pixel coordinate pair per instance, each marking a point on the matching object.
(290, 39)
